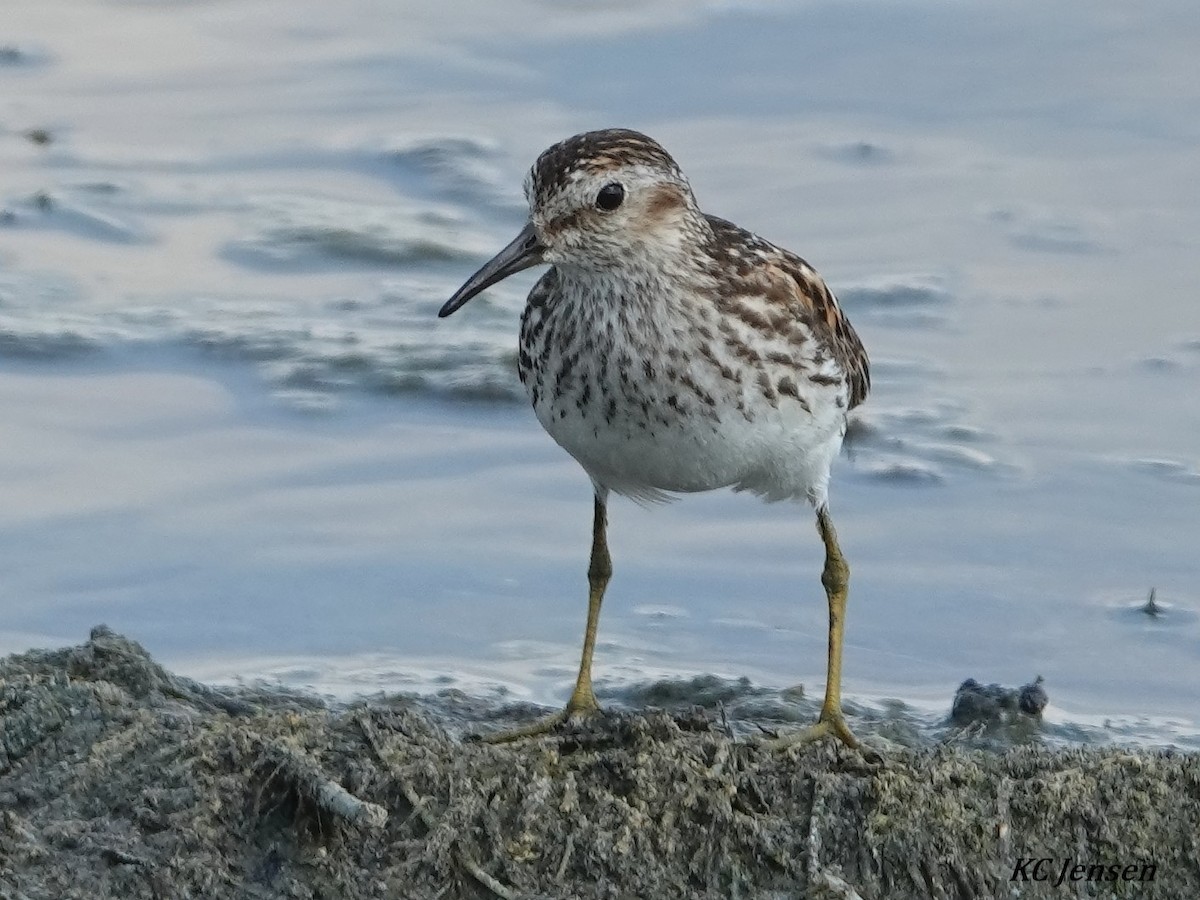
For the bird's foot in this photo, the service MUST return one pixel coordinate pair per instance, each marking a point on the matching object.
(831, 723)
(578, 708)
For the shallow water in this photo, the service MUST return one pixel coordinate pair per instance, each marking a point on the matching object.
(236, 431)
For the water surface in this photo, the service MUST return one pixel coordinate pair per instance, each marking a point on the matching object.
(235, 430)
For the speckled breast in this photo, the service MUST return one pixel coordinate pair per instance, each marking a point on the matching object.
(651, 399)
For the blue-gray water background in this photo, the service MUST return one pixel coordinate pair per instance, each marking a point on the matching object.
(234, 429)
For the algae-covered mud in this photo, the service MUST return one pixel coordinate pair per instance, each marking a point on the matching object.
(120, 779)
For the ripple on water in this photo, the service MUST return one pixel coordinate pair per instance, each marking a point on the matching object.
(966, 433)
(1184, 357)
(63, 211)
(891, 419)
(903, 471)
(292, 231)
(43, 290)
(1159, 364)
(857, 153)
(890, 368)
(404, 368)
(22, 56)
(1164, 468)
(1046, 231)
(389, 342)
(910, 301)
(460, 168)
(957, 456)
(661, 612)
(916, 445)
(44, 345)
(53, 333)
(261, 347)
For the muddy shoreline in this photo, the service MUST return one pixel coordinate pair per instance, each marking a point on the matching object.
(119, 779)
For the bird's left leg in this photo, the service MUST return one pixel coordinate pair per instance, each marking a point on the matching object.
(836, 579)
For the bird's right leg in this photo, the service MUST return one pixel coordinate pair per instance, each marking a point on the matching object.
(583, 699)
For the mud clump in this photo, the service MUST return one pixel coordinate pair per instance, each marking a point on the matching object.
(119, 779)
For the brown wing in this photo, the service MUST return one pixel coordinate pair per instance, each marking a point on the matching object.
(796, 286)
(844, 342)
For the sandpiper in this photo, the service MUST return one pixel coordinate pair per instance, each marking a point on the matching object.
(670, 351)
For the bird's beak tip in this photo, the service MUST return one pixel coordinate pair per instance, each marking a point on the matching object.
(521, 253)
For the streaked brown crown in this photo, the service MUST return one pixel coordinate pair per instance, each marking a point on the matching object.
(593, 152)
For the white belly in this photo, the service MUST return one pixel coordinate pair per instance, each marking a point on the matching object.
(776, 451)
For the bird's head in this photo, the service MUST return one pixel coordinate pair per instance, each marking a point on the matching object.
(598, 201)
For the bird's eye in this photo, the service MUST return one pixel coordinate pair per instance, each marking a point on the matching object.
(610, 197)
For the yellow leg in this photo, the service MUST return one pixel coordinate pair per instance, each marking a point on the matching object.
(583, 699)
(599, 573)
(836, 579)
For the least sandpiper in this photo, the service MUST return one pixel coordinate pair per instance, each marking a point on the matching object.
(669, 351)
